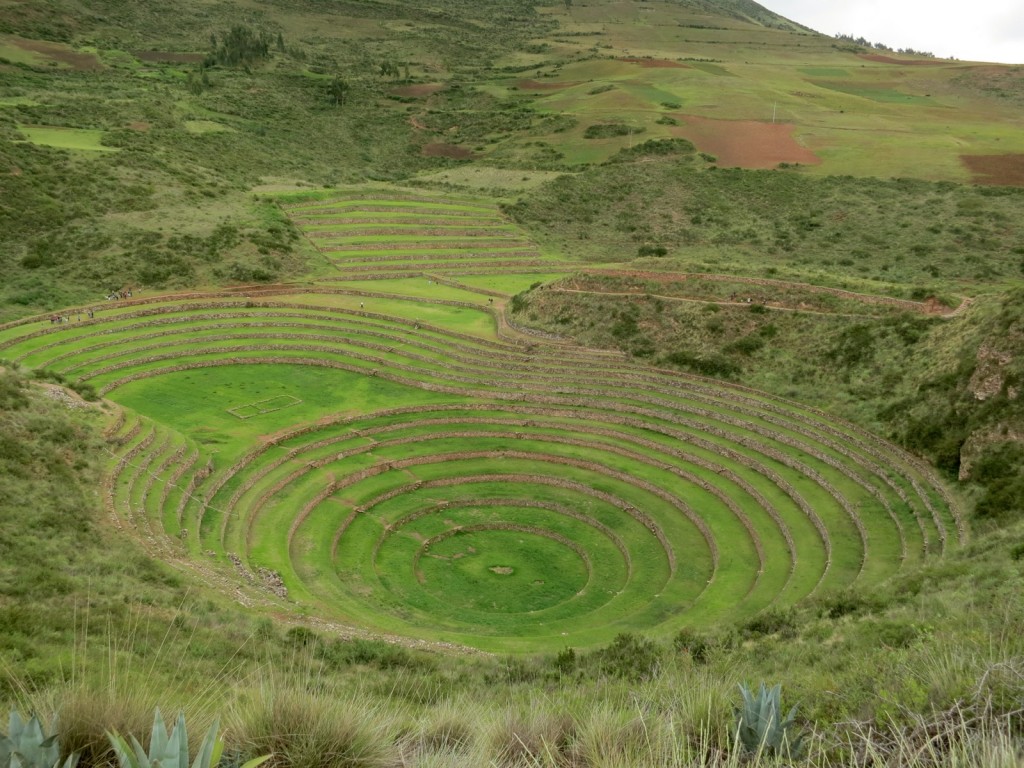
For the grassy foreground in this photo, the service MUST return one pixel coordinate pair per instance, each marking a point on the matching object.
(925, 667)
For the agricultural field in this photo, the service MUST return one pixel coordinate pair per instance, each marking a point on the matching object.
(381, 465)
(378, 235)
(65, 138)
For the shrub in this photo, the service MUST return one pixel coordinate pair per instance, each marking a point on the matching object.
(566, 661)
(715, 365)
(770, 622)
(629, 656)
(12, 392)
(893, 634)
(747, 345)
(519, 303)
(655, 147)
(609, 131)
(846, 603)
(652, 250)
(855, 345)
(692, 642)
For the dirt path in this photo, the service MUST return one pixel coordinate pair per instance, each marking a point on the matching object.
(922, 307)
(705, 301)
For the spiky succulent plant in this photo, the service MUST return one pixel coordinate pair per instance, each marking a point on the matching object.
(170, 750)
(26, 746)
(761, 728)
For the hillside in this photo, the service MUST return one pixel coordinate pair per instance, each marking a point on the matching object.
(481, 377)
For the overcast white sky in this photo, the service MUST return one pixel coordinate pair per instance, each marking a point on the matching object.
(975, 30)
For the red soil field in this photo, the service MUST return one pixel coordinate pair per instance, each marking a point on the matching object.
(745, 143)
(438, 149)
(996, 170)
(656, 63)
(170, 57)
(57, 52)
(416, 91)
(533, 85)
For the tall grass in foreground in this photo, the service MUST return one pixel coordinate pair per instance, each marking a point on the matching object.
(314, 729)
(681, 720)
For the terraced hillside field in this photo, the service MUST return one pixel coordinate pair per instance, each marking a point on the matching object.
(418, 469)
(373, 235)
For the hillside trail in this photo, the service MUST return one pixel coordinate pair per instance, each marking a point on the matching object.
(709, 301)
(930, 306)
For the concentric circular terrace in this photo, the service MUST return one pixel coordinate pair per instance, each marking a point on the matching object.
(416, 469)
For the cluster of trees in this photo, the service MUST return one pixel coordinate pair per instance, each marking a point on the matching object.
(865, 43)
(392, 70)
(339, 88)
(241, 46)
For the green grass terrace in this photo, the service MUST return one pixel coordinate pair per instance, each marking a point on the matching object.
(419, 469)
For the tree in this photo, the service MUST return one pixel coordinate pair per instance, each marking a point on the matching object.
(240, 46)
(338, 90)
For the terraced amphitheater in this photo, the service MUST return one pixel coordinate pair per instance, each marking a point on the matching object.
(416, 468)
(373, 235)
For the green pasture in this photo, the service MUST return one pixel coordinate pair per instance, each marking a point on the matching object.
(486, 227)
(196, 402)
(207, 126)
(17, 101)
(347, 204)
(18, 55)
(82, 139)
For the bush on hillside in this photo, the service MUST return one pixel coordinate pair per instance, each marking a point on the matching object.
(629, 656)
(653, 148)
(609, 131)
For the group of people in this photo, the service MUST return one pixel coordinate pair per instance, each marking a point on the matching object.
(60, 319)
(90, 313)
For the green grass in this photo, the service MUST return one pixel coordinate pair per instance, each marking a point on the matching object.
(508, 284)
(356, 551)
(17, 101)
(417, 287)
(171, 399)
(879, 94)
(82, 139)
(207, 126)
(17, 55)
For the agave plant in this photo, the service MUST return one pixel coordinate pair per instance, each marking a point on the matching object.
(26, 746)
(170, 750)
(760, 726)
